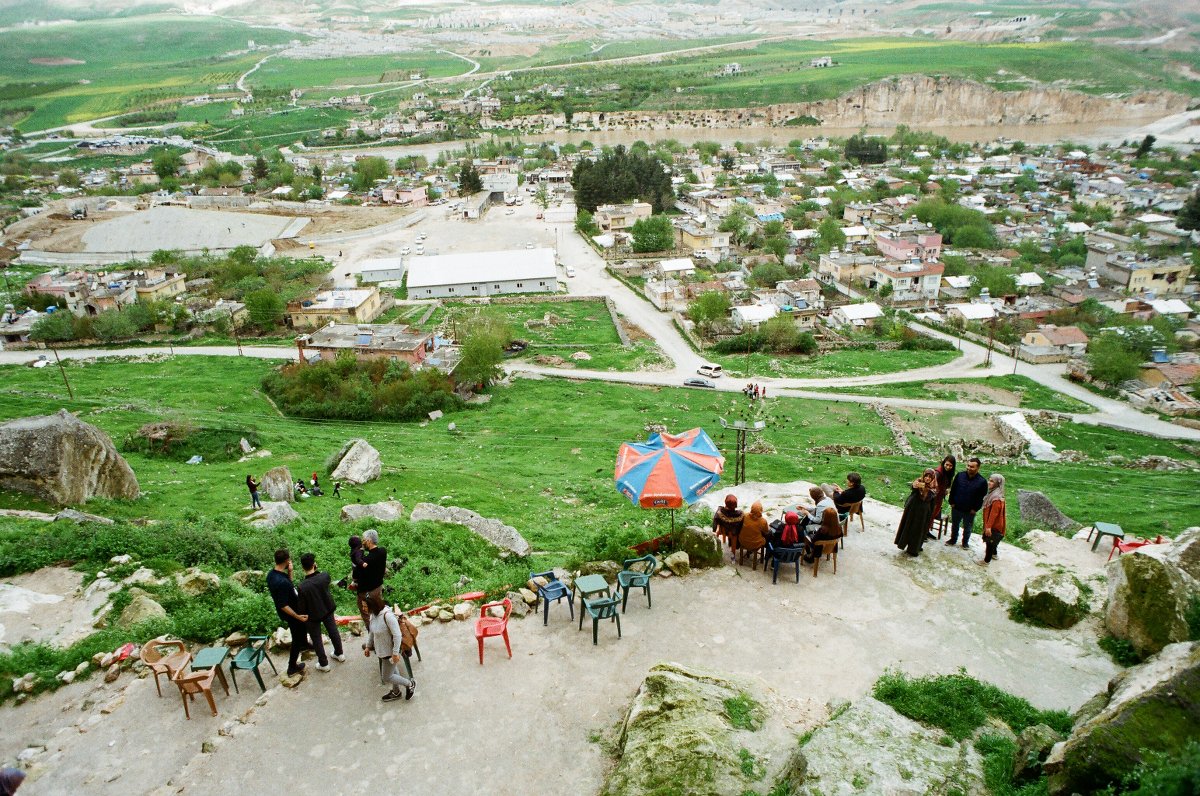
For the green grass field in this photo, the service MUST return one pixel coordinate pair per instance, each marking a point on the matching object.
(836, 363)
(120, 65)
(1032, 395)
(365, 70)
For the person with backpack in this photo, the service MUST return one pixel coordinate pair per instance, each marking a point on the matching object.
(317, 603)
(384, 639)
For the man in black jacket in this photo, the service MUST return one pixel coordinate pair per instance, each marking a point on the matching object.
(317, 603)
(370, 580)
(854, 492)
(967, 491)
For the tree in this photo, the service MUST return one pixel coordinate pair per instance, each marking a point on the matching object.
(69, 178)
(260, 170)
(998, 280)
(862, 149)
(265, 308)
(654, 234)
(368, 170)
(469, 181)
(542, 196)
(830, 235)
(483, 350)
(57, 327)
(1189, 215)
(727, 162)
(585, 224)
(780, 333)
(113, 325)
(1111, 360)
(167, 163)
(768, 274)
(1145, 147)
(709, 308)
(622, 176)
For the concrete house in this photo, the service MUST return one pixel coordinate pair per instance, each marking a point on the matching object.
(1049, 343)
(910, 282)
(361, 305)
(972, 312)
(614, 218)
(751, 316)
(476, 274)
(857, 316)
(367, 341)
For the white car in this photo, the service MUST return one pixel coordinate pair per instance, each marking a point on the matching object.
(420, 249)
(570, 272)
(421, 237)
(405, 250)
(528, 245)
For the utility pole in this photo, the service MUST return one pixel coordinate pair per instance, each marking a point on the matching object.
(63, 371)
(743, 430)
(236, 339)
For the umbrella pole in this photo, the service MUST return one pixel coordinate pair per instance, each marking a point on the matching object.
(672, 522)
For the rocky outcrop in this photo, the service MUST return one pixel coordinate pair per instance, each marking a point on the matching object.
(277, 485)
(1155, 706)
(702, 546)
(194, 582)
(1014, 427)
(273, 514)
(385, 511)
(76, 516)
(503, 536)
(1150, 592)
(1037, 510)
(357, 463)
(62, 460)
(142, 608)
(1033, 746)
(700, 733)
(1054, 600)
(904, 757)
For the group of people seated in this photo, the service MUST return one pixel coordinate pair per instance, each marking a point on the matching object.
(313, 489)
(801, 527)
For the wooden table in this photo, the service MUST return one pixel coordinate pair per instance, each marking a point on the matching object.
(210, 658)
(586, 586)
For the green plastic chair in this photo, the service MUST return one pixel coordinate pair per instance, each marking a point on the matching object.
(629, 578)
(603, 608)
(250, 658)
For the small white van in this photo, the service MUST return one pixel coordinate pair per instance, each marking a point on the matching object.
(712, 371)
(570, 272)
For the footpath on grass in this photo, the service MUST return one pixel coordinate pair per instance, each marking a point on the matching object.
(532, 723)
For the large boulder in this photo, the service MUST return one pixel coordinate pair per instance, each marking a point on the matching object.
(273, 514)
(1038, 511)
(385, 511)
(700, 733)
(357, 463)
(702, 546)
(277, 485)
(142, 608)
(62, 460)
(1054, 599)
(503, 536)
(1033, 745)
(1150, 593)
(194, 582)
(871, 745)
(1152, 707)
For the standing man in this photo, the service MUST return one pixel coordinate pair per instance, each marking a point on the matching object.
(317, 603)
(370, 579)
(967, 491)
(287, 605)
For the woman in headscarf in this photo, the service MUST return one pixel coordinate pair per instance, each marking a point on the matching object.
(914, 522)
(788, 535)
(945, 475)
(753, 536)
(10, 780)
(993, 518)
(830, 529)
(727, 521)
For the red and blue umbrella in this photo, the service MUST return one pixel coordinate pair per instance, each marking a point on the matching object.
(668, 471)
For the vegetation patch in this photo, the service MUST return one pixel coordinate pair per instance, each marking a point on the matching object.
(1121, 651)
(182, 441)
(743, 713)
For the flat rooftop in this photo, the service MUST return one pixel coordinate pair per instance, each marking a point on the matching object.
(477, 267)
(189, 230)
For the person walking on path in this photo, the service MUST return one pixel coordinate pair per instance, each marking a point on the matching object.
(253, 485)
(994, 519)
(945, 475)
(383, 639)
(287, 605)
(317, 603)
(910, 534)
(370, 577)
(967, 491)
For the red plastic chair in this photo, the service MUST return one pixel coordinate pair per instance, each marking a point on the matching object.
(486, 626)
(1134, 544)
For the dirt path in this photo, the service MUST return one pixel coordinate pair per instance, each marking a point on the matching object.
(525, 725)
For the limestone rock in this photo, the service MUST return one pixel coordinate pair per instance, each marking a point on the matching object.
(62, 460)
(1037, 510)
(503, 536)
(464, 610)
(904, 758)
(608, 569)
(1033, 744)
(290, 680)
(121, 559)
(1184, 552)
(249, 578)
(141, 609)
(112, 673)
(66, 678)
(73, 515)
(1054, 599)
(679, 737)
(678, 563)
(281, 638)
(520, 606)
(194, 582)
(1152, 706)
(357, 463)
(524, 595)
(1148, 599)
(277, 485)
(273, 514)
(25, 683)
(445, 615)
(237, 639)
(385, 511)
(141, 575)
(702, 546)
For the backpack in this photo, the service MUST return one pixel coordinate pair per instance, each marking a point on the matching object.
(408, 635)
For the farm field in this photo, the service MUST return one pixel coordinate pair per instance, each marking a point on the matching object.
(366, 70)
(1024, 392)
(96, 68)
(836, 363)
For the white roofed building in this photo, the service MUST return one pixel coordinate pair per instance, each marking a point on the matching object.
(752, 315)
(968, 312)
(475, 274)
(856, 315)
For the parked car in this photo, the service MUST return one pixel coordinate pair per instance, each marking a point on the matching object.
(696, 381)
(570, 272)
(405, 250)
(710, 370)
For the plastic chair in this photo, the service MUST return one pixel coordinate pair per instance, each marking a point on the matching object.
(1120, 546)
(553, 591)
(852, 511)
(603, 608)
(629, 578)
(197, 683)
(486, 626)
(786, 555)
(158, 663)
(828, 547)
(249, 658)
(756, 555)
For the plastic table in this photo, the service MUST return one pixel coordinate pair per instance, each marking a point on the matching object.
(588, 585)
(1103, 529)
(212, 657)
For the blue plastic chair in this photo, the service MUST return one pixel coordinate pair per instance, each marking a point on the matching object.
(786, 555)
(553, 591)
(629, 578)
(603, 608)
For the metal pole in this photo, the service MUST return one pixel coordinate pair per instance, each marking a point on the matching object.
(63, 371)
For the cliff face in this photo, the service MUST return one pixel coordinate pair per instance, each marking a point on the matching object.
(915, 100)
